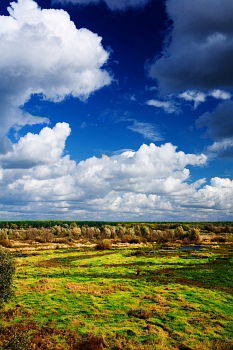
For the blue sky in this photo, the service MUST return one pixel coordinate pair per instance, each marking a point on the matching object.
(116, 110)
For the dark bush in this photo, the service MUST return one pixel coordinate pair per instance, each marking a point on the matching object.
(193, 236)
(135, 240)
(7, 269)
(126, 238)
(138, 252)
(220, 239)
(6, 243)
(105, 244)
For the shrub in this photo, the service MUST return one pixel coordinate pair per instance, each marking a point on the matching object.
(126, 238)
(6, 243)
(7, 269)
(194, 235)
(105, 244)
(44, 236)
(139, 252)
(135, 240)
(164, 236)
(179, 232)
(220, 239)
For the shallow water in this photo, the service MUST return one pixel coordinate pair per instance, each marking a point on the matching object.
(190, 248)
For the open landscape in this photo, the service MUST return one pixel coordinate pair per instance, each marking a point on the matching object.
(116, 176)
(119, 291)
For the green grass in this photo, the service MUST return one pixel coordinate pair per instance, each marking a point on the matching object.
(164, 299)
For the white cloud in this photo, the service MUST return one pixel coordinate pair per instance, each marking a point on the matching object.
(31, 150)
(152, 183)
(147, 130)
(198, 97)
(112, 4)
(167, 106)
(220, 94)
(42, 52)
(218, 194)
(193, 96)
(221, 145)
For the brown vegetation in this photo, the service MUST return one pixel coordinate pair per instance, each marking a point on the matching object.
(105, 244)
(104, 235)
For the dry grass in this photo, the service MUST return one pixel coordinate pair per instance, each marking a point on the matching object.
(96, 290)
(43, 285)
(159, 299)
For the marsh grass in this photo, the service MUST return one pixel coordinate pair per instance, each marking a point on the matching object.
(146, 298)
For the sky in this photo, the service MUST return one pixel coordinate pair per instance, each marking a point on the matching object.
(116, 110)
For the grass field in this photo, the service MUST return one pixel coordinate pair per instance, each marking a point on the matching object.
(125, 298)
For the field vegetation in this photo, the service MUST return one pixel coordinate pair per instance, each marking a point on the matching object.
(117, 286)
(89, 232)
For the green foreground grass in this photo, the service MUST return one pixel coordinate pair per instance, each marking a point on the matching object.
(152, 298)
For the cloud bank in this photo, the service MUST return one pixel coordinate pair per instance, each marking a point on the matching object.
(112, 4)
(200, 52)
(152, 183)
(42, 52)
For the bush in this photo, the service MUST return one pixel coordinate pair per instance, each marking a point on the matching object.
(193, 236)
(126, 238)
(164, 236)
(105, 244)
(135, 240)
(220, 239)
(139, 252)
(179, 232)
(44, 236)
(7, 269)
(6, 243)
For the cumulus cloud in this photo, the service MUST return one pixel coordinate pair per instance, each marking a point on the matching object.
(167, 106)
(218, 194)
(42, 52)
(200, 52)
(112, 4)
(32, 149)
(152, 183)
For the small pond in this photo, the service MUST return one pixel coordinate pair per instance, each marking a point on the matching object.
(190, 248)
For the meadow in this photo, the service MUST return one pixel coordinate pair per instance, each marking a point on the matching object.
(144, 296)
